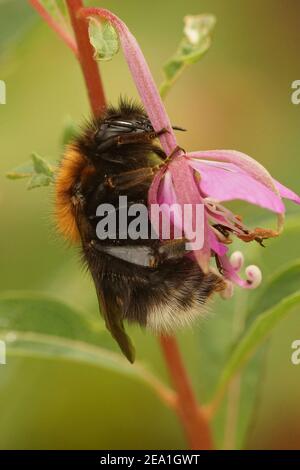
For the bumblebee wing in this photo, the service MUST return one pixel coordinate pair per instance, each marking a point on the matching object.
(107, 298)
(112, 313)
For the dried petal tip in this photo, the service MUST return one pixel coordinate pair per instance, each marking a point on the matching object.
(237, 260)
(254, 276)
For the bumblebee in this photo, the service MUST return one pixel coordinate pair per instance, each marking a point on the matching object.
(149, 282)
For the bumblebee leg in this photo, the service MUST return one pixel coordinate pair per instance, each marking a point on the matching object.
(135, 137)
(124, 138)
(130, 179)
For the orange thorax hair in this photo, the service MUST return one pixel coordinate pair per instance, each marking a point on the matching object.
(73, 168)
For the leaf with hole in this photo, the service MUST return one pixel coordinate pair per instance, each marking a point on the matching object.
(104, 39)
(196, 41)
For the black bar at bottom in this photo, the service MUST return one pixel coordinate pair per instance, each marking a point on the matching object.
(134, 459)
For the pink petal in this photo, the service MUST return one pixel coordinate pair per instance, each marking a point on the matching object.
(166, 193)
(154, 188)
(162, 191)
(142, 77)
(187, 192)
(243, 161)
(226, 181)
(231, 273)
(167, 196)
(286, 192)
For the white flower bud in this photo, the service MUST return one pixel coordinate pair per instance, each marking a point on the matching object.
(237, 260)
(254, 276)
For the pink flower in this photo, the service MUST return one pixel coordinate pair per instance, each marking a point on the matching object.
(216, 176)
(209, 177)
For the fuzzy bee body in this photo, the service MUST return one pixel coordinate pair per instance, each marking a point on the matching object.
(143, 281)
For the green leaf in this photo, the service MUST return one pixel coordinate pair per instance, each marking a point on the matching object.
(103, 38)
(273, 289)
(281, 284)
(254, 337)
(39, 180)
(41, 314)
(263, 316)
(40, 166)
(196, 41)
(36, 325)
(40, 172)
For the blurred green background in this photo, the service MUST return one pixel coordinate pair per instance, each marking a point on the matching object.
(237, 97)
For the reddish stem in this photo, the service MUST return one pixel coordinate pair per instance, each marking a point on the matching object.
(62, 33)
(88, 64)
(193, 419)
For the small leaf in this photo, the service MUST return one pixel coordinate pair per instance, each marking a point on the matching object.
(197, 30)
(40, 172)
(197, 40)
(39, 180)
(104, 39)
(41, 166)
